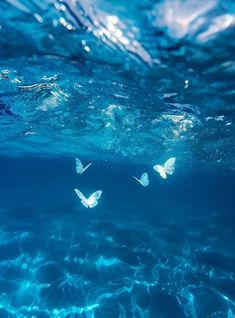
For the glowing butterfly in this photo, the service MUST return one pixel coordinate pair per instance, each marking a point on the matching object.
(79, 166)
(144, 179)
(92, 201)
(167, 168)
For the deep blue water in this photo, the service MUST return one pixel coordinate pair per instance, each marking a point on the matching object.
(124, 85)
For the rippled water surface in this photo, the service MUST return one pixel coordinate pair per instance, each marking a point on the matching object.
(124, 85)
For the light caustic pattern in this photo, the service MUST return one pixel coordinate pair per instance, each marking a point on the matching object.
(113, 268)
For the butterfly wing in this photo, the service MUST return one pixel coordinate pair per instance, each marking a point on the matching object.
(79, 166)
(160, 170)
(84, 169)
(79, 194)
(84, 203)
(169, 166)
(93, 199)
(137, 179)
(81, 197)
(96, 195)
(93, 204)
(144, 179)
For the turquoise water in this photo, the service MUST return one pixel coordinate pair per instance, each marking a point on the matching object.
(124, 86)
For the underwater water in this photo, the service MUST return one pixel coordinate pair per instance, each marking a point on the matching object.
(124, 85)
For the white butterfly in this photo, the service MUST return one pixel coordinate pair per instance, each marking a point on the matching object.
(144, 179)
(167, 168)
(92, 201)
(79, 166)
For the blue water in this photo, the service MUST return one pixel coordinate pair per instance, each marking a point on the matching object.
(124, 85)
